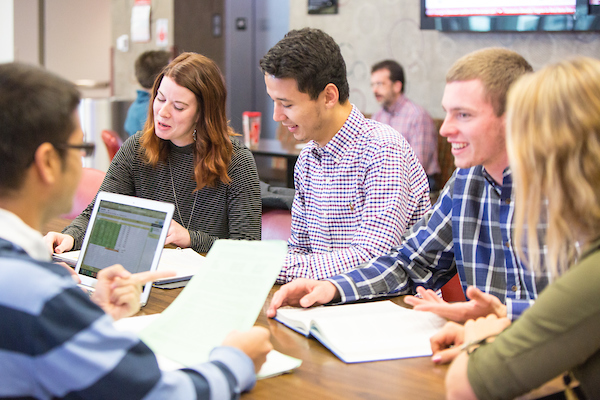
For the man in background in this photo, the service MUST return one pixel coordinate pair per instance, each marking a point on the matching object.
(359, 185)
(147, 67)
(55, 342)
(408, 118)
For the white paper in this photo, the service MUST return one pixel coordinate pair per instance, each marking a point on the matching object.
(140, 23)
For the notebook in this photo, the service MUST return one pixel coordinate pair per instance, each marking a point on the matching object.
(123, 230)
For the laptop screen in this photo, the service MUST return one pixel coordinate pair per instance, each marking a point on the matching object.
(122, 234)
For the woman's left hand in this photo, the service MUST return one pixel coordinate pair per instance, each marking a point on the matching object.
(178, 235)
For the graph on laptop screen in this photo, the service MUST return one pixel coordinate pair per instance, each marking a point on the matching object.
(122, 234)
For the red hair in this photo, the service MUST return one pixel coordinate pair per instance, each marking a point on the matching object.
(213, 148)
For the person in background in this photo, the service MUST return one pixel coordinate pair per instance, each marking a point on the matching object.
(358, 184)
(408, 118)
(185, 157)
(553, 123)
(469, 230)
(56, 342)
(147, 67)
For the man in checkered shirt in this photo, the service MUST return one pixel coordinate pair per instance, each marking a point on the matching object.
(469, 230)
(408, 118)
(358, 184)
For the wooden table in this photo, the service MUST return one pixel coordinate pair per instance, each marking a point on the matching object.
(322, 375)
(277, 148)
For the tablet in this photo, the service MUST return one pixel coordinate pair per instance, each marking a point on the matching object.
(123, 230)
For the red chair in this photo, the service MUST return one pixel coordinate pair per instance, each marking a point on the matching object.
(90, 182)
(276, 224)
(452, 291)
(113, 142)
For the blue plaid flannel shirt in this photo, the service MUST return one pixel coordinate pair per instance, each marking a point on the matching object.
(469, 231)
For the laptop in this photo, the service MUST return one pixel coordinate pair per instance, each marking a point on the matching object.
(123, 230)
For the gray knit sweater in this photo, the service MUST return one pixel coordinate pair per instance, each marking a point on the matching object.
(231, 211)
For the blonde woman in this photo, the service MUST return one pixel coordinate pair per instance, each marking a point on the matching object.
(553, 125)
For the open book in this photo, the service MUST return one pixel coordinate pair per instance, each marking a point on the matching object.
(185, 262)
(365, 332)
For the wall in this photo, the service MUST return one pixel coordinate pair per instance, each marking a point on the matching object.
(189, 29)
(267, 23)
(368, 32)
(7, 41)
(124, 82)
(27, 31)
(77, 41)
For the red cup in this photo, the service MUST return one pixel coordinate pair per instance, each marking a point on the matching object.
(251, 123)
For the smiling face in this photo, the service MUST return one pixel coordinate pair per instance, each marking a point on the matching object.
(296, 111)
(386, 92)
(471, 126)
(175, 113)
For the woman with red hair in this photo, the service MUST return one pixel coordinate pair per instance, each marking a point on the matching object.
(185, 156)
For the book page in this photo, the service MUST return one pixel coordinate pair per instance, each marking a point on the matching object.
(298, 319)
(226, 294)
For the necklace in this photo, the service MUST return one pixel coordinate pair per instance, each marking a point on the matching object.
(175, 197)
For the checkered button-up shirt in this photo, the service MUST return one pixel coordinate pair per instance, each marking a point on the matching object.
(417, 127)
(354, 198)
(469, 230)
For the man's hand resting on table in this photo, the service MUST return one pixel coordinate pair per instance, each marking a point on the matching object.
(118, 290)
(480, 305)
(302, 292)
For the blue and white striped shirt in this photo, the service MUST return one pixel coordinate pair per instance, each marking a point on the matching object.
(55, 343)
(468, 230)
(355, 197)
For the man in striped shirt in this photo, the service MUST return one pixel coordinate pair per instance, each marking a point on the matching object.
(54, 341)
(469, 230)
(408, 118)
(359, 185)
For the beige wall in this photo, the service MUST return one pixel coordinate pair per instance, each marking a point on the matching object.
(77, 41)
(125, 83)
(27, 31)
(369, 31)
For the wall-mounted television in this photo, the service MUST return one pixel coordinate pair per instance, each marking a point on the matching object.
(510, 15)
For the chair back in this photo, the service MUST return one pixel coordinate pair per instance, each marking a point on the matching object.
(113, 142)
(90, 182)
(276, 224)
(452, 291)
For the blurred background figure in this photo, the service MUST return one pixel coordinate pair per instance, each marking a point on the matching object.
(147, 67)
(408, 118)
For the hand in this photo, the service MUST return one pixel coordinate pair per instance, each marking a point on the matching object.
(484, 327)
(178, 235)
(255, 343)
(302, 292)
(480, 305)
(58, 242)
(445, 344)
(118, 291)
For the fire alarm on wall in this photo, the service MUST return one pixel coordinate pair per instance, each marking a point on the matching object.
(240, 24)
